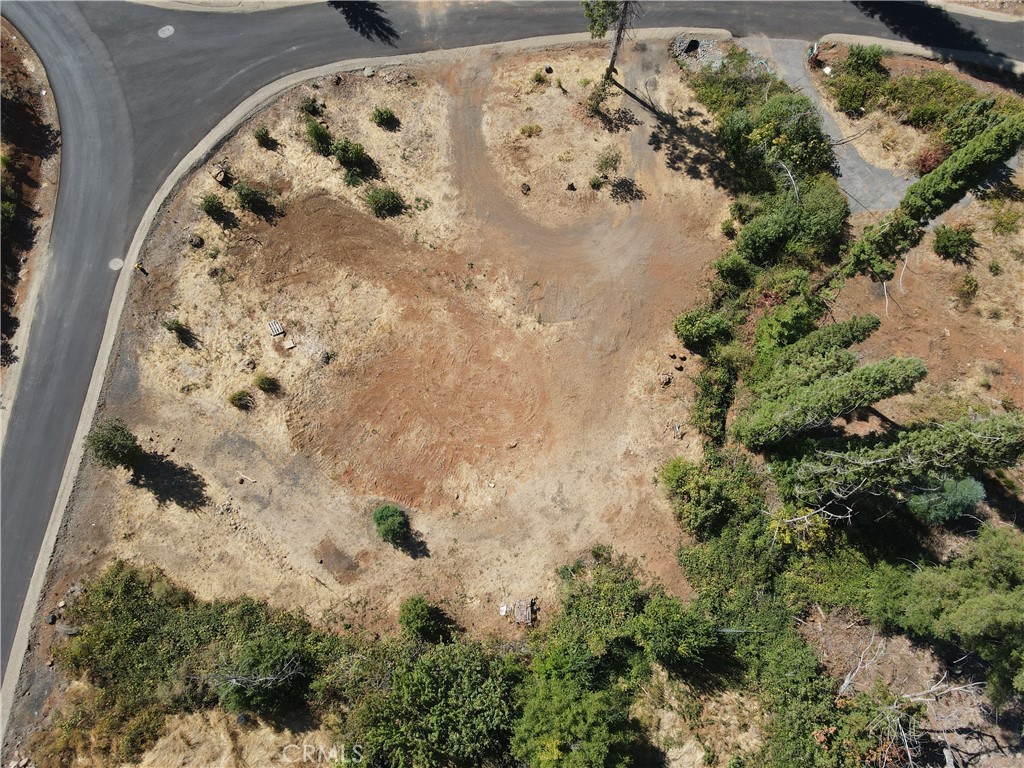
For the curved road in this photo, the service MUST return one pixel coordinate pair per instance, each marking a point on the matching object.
(133, 103)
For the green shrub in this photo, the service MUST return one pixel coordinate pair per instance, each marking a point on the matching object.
(354, 159)
(242, 399)
(995, 268)
(701, 328)
(181, 331)
(264, 672)
(392, 524)
(706, 496)
(539, 77)
(263, 138)
(424, 621)
(956, 244)
(924, 101)
(249, 197)
(318, 136)
(952, 499)
(452, 705)
(608, 161)
(860, 82)
(310, 106)
(735, 270)
(728, 228)
(213, 206)
(384, 201)
(763, 240)
(967, 289)
(530, 130)
(596, 182)
(384, 117)
(8, 215)
(715, 385)
(268, 384)
(594, 104)
(112, 444)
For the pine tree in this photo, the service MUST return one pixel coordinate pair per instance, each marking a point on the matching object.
(912, 461)
(826, 399)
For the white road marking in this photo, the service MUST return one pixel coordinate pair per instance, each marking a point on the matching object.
(166, 31)
(116, 264)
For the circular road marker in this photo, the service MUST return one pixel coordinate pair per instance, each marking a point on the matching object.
(166, 31)
(116, 264)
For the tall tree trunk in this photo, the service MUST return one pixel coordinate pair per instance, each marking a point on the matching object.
(625, 17)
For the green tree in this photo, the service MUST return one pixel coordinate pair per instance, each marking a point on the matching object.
(264, 672)
(816, 404)
(910, 460)
(835, 336)
(602, 15)
(967, 167)
(112, 444)
(452, 705)
(392, 524)
(566, 726)
(977, 602)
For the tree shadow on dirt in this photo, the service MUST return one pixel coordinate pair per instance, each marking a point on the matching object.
(226, 219)
(266, 210)
(625, 190)
(617, 120)
(1006, 504)
(931, 26)
(169, 481)
(414, 545)
(367, 19)
(687, 140)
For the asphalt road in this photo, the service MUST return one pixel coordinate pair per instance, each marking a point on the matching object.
(132, 104)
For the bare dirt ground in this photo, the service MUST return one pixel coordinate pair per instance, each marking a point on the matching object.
(31, 142)
(879, 137)
(501, 376)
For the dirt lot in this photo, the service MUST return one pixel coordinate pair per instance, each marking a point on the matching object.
(30, 142)
(497, 373)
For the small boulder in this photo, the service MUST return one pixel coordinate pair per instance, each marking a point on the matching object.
(525, 189)
(571, 187)
(368, 72)
(196, 241)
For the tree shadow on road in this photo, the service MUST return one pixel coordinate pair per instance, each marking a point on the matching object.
(169, 481)
(931, 26)
(368, 19)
